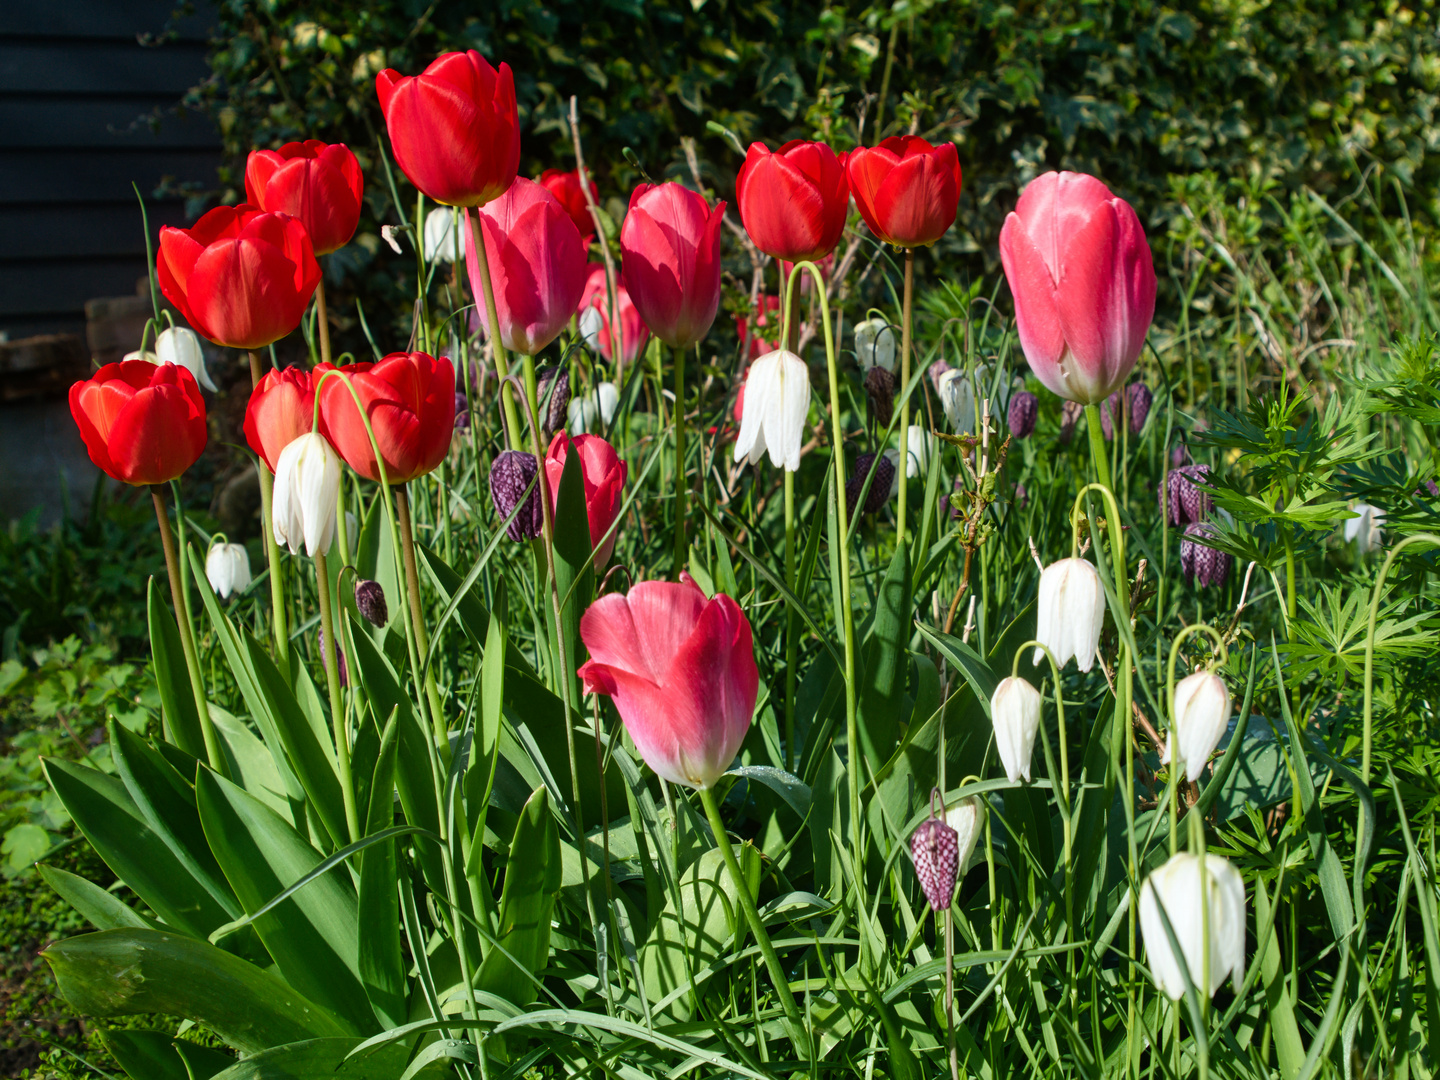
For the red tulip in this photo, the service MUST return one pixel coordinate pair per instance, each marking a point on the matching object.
(316, 182)
(410, 400)
(281, 409)
(455, 128)
(537, 266)
(681, 670)
(240, 276)
(670, 247)
(1080, 270)
(565, 186)
(793, 202)
(906, 190)
(604, 475)
(594, 318)
(143, 423)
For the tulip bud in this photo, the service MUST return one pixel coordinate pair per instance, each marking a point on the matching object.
(1071, 612)
(307, 481)
(1202, 710)
(777, 398)
(1015, 714)
(1178, 887)
(227, 568)
(875, 345)
(178, 345)
(880, 393)
(589, 412)
(510, 475)
(965, 816)
(1024, 410)
(370, 602)
(1363, 529)
(440, 243)
(1187, 501)
(879, 495)
(1070, 414)
(1199, 562)
(936, 851)
(339, 657)
(553, 386)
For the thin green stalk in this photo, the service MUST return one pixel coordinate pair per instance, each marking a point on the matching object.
(907, 310)
(797, 1030)
(502, 360)
(681, 548)
(1290, 608)
(322, 321)
(1098, 453)
(329, 655)
(279, 624)
(417, 608)
(792, 625)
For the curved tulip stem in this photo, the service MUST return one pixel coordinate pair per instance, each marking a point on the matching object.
(908, 303)
(1430, 538)
(329, 655)
(798, 1036)
(279, 623)
(322, 321)
(681, 547)
(1098, 453)
(187, 633)
(502, 360)
(1172, 789)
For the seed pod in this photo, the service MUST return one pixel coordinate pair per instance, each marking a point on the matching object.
(880, 392)
(935, 847)
(1070, 414)
(553, 418)
(370, 602)
(879, 495)
(1200, 563)
(510, 475)
(1187, 502)
(1024, 408)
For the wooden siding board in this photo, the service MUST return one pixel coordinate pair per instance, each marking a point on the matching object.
(69, 124)
(100, 67)
(68, 231)
(71, 176)
(102, 19)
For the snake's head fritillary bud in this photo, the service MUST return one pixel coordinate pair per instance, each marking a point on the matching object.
(553, 385)
(339, 657)
(1024, 409)
(880, 392)
(227, 568)
(1179, 454)
(1219, 919)
(1187, 502)
(510, 476)
(936, 850)
(875, 344)
(1202, 712)
(1071, 612)
(1015, 714)
(1140, 399)
(370, 602)
(1070, 414)
(884, 470)
(1200, 563)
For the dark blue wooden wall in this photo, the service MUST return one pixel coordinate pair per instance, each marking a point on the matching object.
(85, 109)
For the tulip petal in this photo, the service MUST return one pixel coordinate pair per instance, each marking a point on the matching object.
(1037, 316)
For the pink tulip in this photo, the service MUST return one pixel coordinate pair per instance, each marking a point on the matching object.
(594, 318)
(670, 247)
(537, 266)
(1079, 268)
(604, 477)
(681, 670)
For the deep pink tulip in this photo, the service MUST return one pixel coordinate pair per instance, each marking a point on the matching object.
(594, 318)
(455, 127)
(670, 247)
(681, 670)
(905, 189)
(1080, 270)
(793, 201)
(537, 266)
(604, 474)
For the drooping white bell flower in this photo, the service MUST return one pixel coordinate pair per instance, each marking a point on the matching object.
(1071, 612)
(1202, 712)
(1015, 714)
(777, 397)
(1364, 529)
(957, 397)
(587, 413)
(592, 325)
(440, 235)
(875, 344)
(1177, 886)
(307, 479)
(227, 568)
(965, 816)
(919, 445)
(180, 345)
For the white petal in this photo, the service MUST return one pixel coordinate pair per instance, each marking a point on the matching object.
(1015, 715)
(759, 394)
(794, 407)
(965, 816)
(1202, 711)
(609, 399)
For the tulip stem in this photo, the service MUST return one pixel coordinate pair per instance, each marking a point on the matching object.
(747, 903)
(681, 548)
(1098, 452)
(417, 610)
(502, 359)
(278, 622)
(906, 313)
(322, 322)
(792, 625)
(329, 655)
(187, 633)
